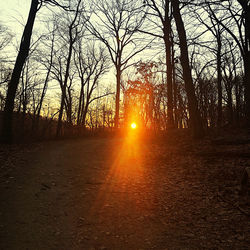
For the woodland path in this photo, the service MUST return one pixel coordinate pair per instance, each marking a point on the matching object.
(109, 193)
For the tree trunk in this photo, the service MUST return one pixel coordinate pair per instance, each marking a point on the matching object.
(237, 94)
(247, 87)
(59, 122)
(174, 86)
(230, 106)
(194, 114)
(219, 79)
(39, 107)
(85, 112)
(168, 45)
(81, 96)
(117, 97)
(64, 86)
(246, 59)
(72, 40)
(247, 64)
(13, 84)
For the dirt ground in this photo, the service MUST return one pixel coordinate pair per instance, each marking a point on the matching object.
(124, 193)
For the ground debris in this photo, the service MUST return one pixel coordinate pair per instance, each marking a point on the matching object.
(166, 194)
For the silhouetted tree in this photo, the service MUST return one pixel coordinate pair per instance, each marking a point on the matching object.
(238, 26)
(216, 30)
(47, 62)
(162, 10)
(115, 23)
(5, 38)
(69, 29)
(91, 63)
(20, 60)
(195, 118)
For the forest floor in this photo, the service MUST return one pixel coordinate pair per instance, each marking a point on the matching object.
(125, 193)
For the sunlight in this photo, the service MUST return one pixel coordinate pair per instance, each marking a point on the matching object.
(133, 125)
(126, 172)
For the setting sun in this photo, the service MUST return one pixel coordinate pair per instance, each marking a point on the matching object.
(133, 125)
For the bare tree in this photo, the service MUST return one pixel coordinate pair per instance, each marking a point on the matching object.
(195, 118)
(162, 11)
(69, 30)
(234, 17)
(20, 60)
(91, 64)
(116, 23)
(5, 37)
(230, 64)
(45, 58)
(216, 30)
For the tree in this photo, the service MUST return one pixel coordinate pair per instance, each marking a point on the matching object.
(5, 37)
(162, 10)
(119, 22)
(235, 19)
(216, 30)
(194, 113)
(44, 56)
(20, 60)
(139, 95)
(229, 65)
(47, 78)
(71, 26)
(91, 64)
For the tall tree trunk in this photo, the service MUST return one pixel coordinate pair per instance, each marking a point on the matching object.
(85, 112)
(219, 79)
(247, 64)
(82, 111)
(72, 40)
(174, 86)
(230, 106)
(64, 86)
(81, 96)
(168, 45)
(13, 84)
(195, 117)
(247, 86)
(246, 59)
(237, 103)
(39, 107)
(59, 122)
(69, 107)
(117, 97)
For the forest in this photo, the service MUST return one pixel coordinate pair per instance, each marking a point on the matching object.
(89, 66)
(124, 124)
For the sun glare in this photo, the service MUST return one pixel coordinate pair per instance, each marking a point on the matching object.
(133, 125)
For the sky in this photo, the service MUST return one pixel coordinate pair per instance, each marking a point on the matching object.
(14, 12)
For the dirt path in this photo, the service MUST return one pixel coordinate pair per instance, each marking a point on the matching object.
(119, 194)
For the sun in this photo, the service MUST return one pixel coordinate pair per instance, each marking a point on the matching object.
(133, 125)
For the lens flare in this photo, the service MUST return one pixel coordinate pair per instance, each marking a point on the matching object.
(133, 125)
